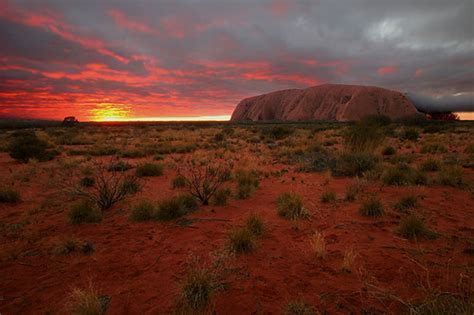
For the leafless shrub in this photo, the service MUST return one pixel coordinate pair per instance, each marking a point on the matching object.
(204, 177)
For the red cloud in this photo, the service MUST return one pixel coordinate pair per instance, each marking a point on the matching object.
(126, 22)
(387, 70)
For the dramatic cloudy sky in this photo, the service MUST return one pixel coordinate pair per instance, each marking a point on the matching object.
(142, 58)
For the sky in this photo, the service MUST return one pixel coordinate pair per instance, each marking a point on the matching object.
(144, 59)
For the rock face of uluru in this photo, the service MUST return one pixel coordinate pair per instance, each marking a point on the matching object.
(324, 102)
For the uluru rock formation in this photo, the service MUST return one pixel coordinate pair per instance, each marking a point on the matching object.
(324, 102)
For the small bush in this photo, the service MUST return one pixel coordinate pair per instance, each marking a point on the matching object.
(247, 182)
(353, 164)
(406, 203)
(298, 308)
(372, 208)
(451, 176)
(430, 165)
(364, 136)
(25, 145)
(277, 132)
(352, 190)
(87, 181)
(197, 287)
(149, 169)
(119, 166)
(318, 245)
(290, 206)
(413, 227)
(143, 211)
(328, 196)
(255, 225)
(221, 196)
(403, 175)
(84, 212)
(434, 148)
(389, 151)
(241, 240)
(9, 195)
(175, 207)
(71, 245)
(87, 301)
(410, 134)
(178, 182)
(348, 261)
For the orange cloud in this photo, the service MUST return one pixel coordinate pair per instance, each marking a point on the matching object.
(386, 70)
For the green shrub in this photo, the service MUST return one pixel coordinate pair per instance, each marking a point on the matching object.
(25, 145)
(9, 195)
(410, 134)
(175, 207)
(451, 176)
(133, 154)
(178, 182)
(328, 196)
(247, 182)
(149, 169)
(372, 208)
(221, 196)
(406, 203)
(413, 227)
(290, 206)
(277, 132)
(143, 211)
(84, 212)
(241, 240)
(389, 151)
(353, 164)
(430, 165)
(255, 224)
(298, 308)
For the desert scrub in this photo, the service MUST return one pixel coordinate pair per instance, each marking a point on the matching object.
(372, 207)
(410, 134)
(241, 240)
(298, 307)
(328, 196)
(353, 164)
(9, 195)
(197, 287)
(87, 181)
(348, 261)
(469, 149)
(149, 169)
(204, 177)
(87, 301)
(175, 207)
(353, 189)
(451, 176)
(25, 145)
(413, 227)
(255, 224)
(221, 196)
(434, 148)
(290, 206)
(142, 211)
(403, 175)
(84, 212)
(406, 203)
(389, 151)
(318, 244)
(119, 166)
(247, 182)
(363, 136)
(430, 165)
(71, 245)
(178, 182)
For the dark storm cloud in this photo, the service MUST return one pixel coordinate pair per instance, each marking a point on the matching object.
(212, 53)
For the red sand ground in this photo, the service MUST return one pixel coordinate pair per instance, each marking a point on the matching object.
(140, 265)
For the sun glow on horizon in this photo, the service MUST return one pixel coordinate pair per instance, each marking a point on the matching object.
(163, 118)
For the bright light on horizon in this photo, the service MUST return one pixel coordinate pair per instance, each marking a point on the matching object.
(169, 118)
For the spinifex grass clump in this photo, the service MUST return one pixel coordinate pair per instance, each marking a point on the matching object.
(241, 240)
(404, 175)
(9, 195)
(143, 211)
(247, 182)
(290, 206)
(87, 301)
(328, 196)
(84, 212)
(353, 164)
(221, 196)
(372, 207)
(175, 207)
(149, 169)
(406, 203)
(25, 145)
(451, 176)
(255, 224)
(364, 136)
(413, 227)
(197, 287)
(298, 307)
